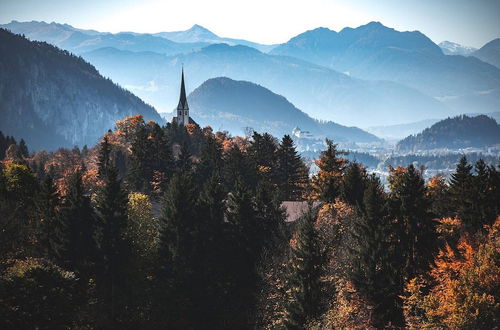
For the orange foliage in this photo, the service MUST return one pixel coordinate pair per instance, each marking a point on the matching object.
(466, 285)
(128, 127)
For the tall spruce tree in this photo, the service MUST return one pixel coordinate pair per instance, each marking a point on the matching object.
(327, 183)
(371, 252)
(76, 225)
(114, 249)
(48, 202)
(461, 193)
(289, 172)
(303, 280)
(180, 251)
(353, 184)
(411, 207)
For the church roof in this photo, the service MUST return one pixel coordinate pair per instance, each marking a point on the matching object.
(183, 104)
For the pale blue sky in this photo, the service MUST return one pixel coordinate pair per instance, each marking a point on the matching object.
(470, 22)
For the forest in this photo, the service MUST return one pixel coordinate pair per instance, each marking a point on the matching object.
(179, 227)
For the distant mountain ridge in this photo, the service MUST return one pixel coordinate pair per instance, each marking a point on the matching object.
(376, 52)
(198, 33)
(53, 99)
(454, 133)
(489, 53)
(319, 91)
(226, 104)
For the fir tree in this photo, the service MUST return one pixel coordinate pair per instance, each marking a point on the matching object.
(304, 275)
(23, 149)
(373, 271)
(411, 208)
(353, 184)
(289, 173)
(76, 225)
(331, 165)
(461, 192)
(180, 249)
(48, 202)
(114, 249)
(103, 157)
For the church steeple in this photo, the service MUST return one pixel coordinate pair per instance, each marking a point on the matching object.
(182, 99)
(183, 108)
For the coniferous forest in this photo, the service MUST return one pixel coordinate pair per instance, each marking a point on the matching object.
(179, 227)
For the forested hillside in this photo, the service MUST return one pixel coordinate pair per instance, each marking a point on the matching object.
(454, 133)
(183, 228)
(54, 99)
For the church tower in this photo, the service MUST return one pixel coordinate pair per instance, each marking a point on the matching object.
(183, 108)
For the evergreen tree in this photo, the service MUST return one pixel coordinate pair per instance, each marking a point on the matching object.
(76, 225)
(263, 153)
(23, 149)
(237, 164)
(114, 249)
(48, 202)
(210, 160)
(180, 251)
(103, 157)
(371, 256)
(140, 171)
(461, 193)
(184, 161)
(331, 165)
(411, 208)
(289, 172)
(353, 184)
(304, 276)
(245, 250)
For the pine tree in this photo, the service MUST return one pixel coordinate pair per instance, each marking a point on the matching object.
(289, 174)
(245, 250)
(23, 149)
(411, 208)
(331, 165)
(237, 164)
(48, 202)
(353, 184)
(180, 248)
(304, 277)
(263, 153)
(103, 157)
(184, 162)
(373, 272)
(461, 192)
(76, 226)
(210, 160)
(140, 171)
(114, 249)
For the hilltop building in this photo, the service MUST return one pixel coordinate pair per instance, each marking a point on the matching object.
(183, 117)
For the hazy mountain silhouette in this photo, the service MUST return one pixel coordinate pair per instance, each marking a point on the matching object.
(79, 41)
(198, 33)
(52, 99)
(226, 104)
(489, 53)
(376, 52)
(319, 91)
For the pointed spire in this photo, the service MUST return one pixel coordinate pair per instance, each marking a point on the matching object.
(182, 100)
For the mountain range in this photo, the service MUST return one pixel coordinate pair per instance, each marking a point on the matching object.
(226, 104)
(454, 133)
(54, 99)
(377, 52)
(367, 76)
